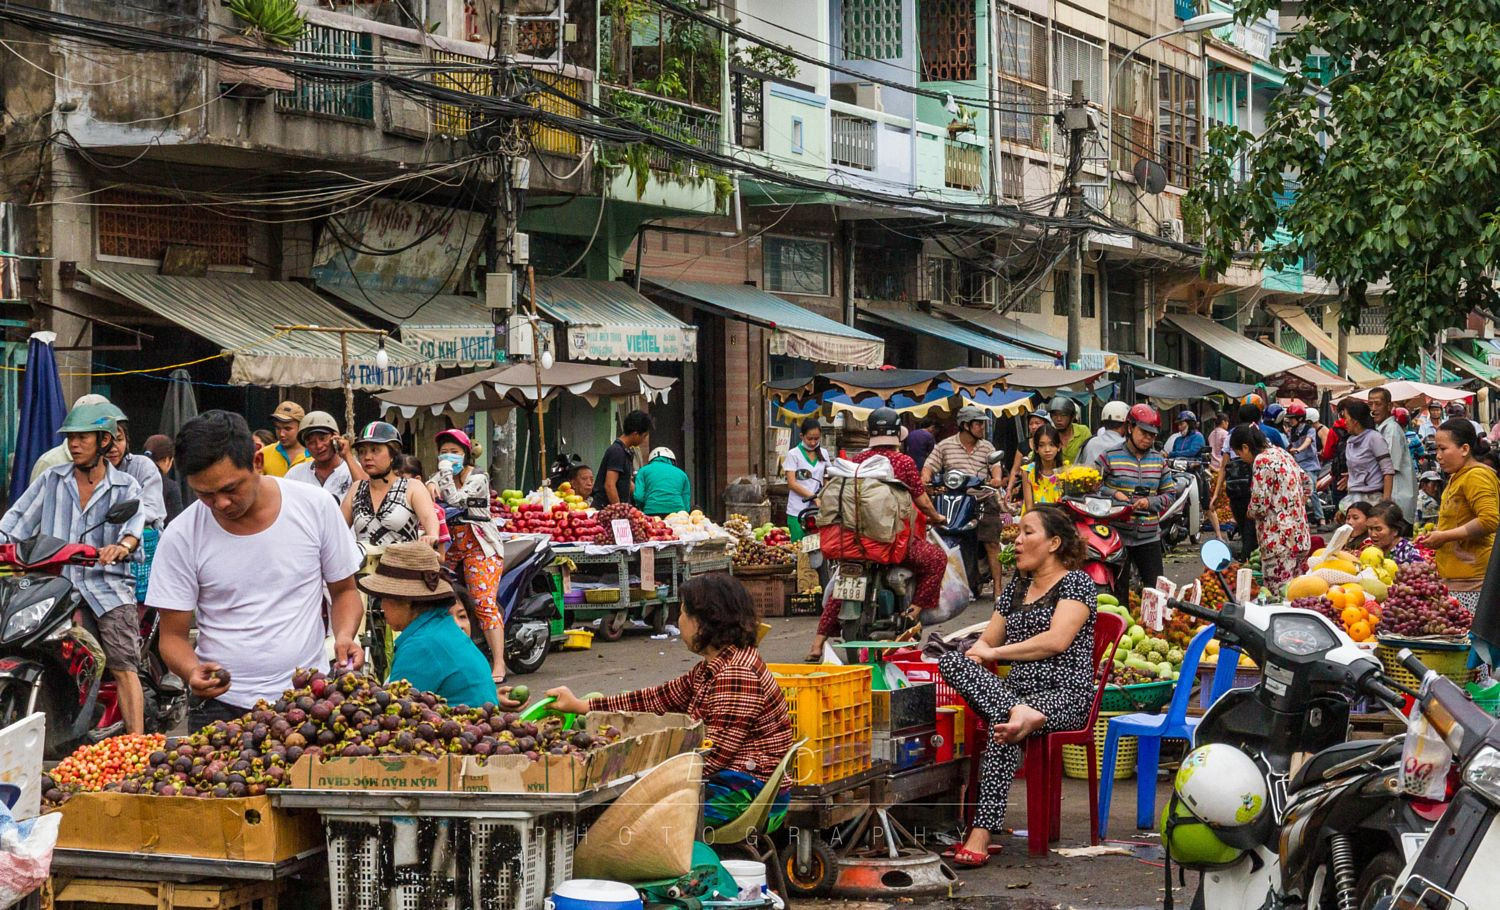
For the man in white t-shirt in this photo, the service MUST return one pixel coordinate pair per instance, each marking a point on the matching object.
(253, 557)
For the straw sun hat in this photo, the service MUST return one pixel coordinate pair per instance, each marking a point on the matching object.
(408, 571)
(648, 832)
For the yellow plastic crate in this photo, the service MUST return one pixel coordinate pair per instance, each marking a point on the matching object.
(1076, 760)
(831, 709)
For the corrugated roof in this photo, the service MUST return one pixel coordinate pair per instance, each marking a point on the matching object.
(579, 301)
(1410, 374)
(958, 333)
(1009, 329)
(1248, 353)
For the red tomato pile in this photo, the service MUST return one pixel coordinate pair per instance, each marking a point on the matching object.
(92, 766)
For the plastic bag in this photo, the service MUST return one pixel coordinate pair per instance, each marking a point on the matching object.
(746, 490)
(1425, 760)
(25, 854)
(954, 596)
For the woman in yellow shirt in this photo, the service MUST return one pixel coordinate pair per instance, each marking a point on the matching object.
(1468, 514)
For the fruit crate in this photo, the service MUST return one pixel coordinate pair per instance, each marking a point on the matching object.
(831, 709)
(1245, 677)
(804, 604)
(768, 593)
(101, 893)
(1450, 659)
(1075, 760)
(1148, 697)
(487, 861)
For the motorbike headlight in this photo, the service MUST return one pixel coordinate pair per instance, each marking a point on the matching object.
(1483, 774)
(27, 619)
(1098, 507)
(953, 480)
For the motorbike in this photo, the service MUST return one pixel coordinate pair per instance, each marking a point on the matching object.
(50, 665)
(1334, 823)
(1183, 519)
(959, 497)
(1096, 517)
(1457, 867)
(533, 615)
(873, 599)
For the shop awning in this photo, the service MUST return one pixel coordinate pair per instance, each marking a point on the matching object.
(796, 332)
(958, 333)
(1491, 350)
(239, 314)
(451, 329)
(1016, 331)
(1313, 375)
(610, 320)
(1410, 374)
(1470, 365)
(1247, 352)
(1174, 389)
(1298, 321)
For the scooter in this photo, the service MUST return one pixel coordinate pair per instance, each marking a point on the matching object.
(873, 599)
(1183, 519)
(47, 663)
(165, 695)
(1333, 820)
(959, 497)
(1095, 518)
(532, 611)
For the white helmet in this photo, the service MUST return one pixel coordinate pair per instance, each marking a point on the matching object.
(1114, 412)
(1222, 786)
(1312, 415)
(662, 452)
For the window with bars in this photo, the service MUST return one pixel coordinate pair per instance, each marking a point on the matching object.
(1178, 125)
(948, 40)
(885, 273)
(1371, 321)
(660, 54)
(142, 226)
(793, 265)
(955, 282)
(872, 29)
(1030, 302)
(332, 47)
(1133, 109)
(1023, 57)
(1012, 176)
(1062, 290)
(1078, 58)
(463, 73)
(1023, 113)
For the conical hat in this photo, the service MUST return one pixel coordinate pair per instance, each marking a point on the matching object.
(648, 833)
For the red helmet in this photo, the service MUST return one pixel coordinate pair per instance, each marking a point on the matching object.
(456, 436)
(1297, 409)
(1145, 417)
(1402, 415)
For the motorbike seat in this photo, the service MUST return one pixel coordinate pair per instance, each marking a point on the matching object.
(1313, 769)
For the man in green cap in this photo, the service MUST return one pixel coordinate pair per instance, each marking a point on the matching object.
(69, 502)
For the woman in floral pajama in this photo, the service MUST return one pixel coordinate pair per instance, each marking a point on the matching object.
(476, 548)
(1044, 627)
(1279, 490)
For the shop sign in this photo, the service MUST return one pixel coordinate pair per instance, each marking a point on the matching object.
(626, 342)
(417, 248)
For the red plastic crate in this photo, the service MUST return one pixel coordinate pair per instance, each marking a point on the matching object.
(924, 671)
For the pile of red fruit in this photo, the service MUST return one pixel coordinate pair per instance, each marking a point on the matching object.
(328, 716)
(642, 526)
(96, 765)
(1419, 604)
(560, 523)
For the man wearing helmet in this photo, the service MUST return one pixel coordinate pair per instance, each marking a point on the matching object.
(1302, 442)
(69, 502)
(59, 454)
(1134, 472)
(1187, 442)
(329, 464)
(1457, 410)
(1112, 419)
(1074, 434)
(968, 451)
(1404, 481)
(661, 487)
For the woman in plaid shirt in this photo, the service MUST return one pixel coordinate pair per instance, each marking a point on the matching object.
(730, 690)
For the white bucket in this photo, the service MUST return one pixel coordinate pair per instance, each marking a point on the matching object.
(748, 874)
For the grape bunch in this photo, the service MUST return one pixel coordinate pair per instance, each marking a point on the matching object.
(1419, 604)
(1319, 604)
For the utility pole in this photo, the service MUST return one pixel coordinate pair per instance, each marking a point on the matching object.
(1077, 120)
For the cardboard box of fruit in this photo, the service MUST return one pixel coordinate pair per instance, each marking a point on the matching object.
(248, 829)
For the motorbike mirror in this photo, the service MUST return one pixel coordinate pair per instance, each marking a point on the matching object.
(121, 512)
(997, 458)
(1215, 555)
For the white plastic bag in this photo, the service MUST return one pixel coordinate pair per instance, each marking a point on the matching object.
(1425, 760)
(25, 854)
(954, 596)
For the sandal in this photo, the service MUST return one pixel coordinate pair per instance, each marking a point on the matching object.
(965, 858)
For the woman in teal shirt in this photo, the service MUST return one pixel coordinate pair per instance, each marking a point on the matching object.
(432, 652)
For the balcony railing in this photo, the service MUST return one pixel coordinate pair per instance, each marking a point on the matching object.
(345, 100)
(963, 166)
(749, 101)
(548, 138)
(472, 75)
(681, 121)
(853, 141)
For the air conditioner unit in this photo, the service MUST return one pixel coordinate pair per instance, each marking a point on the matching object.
(1172, 229)
(867, 96)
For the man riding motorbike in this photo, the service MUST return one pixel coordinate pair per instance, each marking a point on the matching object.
(969, 452)
(1136, 473)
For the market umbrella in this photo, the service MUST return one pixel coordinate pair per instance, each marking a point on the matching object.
(1404, 390)
(42, 410)
(181, 405)
(522, 385)
(1174, 389)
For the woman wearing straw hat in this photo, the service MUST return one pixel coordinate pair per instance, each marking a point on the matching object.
(432, 653)
(730, 690)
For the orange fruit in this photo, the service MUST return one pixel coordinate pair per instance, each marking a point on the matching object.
(1354, 591)
(1337, 597)
(1360, 631)
(1352, 615)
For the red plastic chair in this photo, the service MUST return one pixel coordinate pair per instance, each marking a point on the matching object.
(1041, 765)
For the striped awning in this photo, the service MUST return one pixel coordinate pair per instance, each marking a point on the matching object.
(610, 320)
(240, 315)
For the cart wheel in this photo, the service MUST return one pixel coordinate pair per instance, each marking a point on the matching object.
(821, 872)
(613, 626)
(658, 620)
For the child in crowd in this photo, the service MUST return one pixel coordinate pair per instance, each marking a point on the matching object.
(1039, 478)
(1390, 531)
(411, 467)
(1357, 517)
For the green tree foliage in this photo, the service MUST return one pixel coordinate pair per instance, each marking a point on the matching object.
(1392, 176)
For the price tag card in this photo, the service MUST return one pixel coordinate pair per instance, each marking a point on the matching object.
(1192, 592)
(648, 568)
(1153, 609)
(1242, 582)
(621, 527)
(1166, 585)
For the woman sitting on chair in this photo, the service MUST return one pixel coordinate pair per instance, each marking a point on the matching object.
(1044, 628)
(730, 690)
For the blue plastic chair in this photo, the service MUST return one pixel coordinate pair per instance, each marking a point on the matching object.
(1151, 729)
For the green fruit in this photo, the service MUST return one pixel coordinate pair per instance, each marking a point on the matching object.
(521, 694)
(1136, 632)
(1109, 599)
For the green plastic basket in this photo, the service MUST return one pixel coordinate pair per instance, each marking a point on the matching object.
(1139, 697)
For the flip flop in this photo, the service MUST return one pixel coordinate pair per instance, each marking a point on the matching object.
(965, 858)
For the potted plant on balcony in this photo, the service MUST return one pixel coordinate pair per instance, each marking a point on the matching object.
(962, 122)
(269, 24)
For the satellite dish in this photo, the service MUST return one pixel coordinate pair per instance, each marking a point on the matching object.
(1150, 176)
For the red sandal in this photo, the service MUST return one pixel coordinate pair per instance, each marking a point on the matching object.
(965, 858)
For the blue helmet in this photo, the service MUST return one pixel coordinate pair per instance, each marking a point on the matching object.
(1187, 415)
(1274, 412)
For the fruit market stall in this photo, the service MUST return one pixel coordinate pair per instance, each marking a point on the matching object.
(765, 562)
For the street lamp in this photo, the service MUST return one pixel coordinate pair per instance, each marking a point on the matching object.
(1200, 23)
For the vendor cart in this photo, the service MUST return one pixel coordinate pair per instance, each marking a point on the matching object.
(597, 585)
